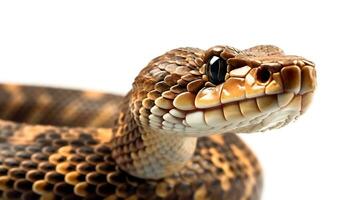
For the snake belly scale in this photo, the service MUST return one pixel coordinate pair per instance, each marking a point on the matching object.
(173, 136)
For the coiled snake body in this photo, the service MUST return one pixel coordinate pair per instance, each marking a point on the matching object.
(174, 134)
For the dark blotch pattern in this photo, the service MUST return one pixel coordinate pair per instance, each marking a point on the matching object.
(72, 164)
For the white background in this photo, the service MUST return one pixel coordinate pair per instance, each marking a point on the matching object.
(102, 45)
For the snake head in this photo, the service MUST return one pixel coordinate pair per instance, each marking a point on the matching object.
(193, 92)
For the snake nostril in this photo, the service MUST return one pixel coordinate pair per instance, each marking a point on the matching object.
(263, 75)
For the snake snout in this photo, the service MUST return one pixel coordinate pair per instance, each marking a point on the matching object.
(299, 79)
(270, 92)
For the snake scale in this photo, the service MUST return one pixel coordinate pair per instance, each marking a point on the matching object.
(171, 137)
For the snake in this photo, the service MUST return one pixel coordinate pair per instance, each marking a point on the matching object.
(174, 135)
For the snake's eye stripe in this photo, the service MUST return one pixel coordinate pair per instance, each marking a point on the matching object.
(216, 70)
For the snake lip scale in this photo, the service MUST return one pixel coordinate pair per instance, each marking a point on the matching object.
(172, 136)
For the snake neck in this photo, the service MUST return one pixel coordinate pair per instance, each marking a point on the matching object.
(147, 153)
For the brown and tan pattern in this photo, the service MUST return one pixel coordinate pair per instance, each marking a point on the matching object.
(174, 131)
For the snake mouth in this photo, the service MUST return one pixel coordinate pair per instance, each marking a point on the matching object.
(256, 96)
(246, 116)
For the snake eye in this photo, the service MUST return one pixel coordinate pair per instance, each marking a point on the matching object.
(216, 70)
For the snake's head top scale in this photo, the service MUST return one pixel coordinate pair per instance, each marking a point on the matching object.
(192, 92)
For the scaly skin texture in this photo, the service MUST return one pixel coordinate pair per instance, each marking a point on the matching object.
(174, 131)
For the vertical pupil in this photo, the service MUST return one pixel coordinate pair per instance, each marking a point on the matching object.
(217, 70)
